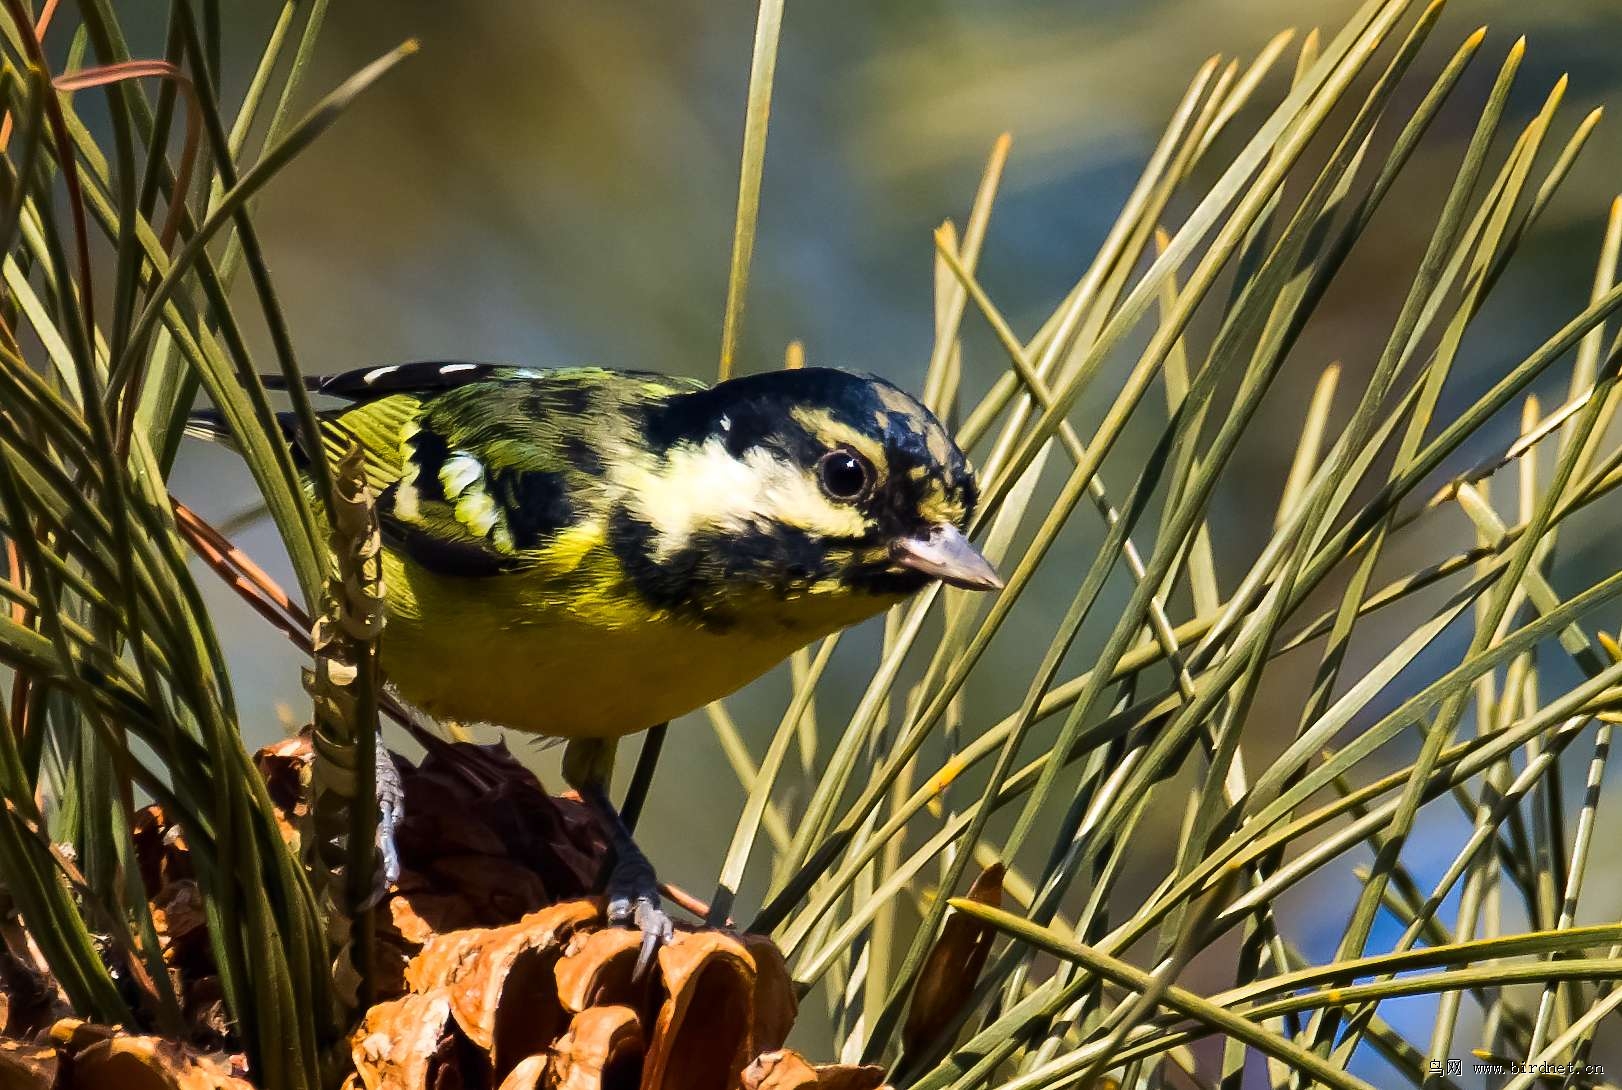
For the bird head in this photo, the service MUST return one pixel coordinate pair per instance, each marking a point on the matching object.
(796, 488)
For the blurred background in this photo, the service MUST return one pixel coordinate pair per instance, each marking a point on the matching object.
(555, 183)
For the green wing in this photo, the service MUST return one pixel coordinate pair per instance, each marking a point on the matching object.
(481, 476)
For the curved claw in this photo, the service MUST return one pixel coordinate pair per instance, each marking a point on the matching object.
(657, 931)
(633, 887)
(644, 957)
(644, 914)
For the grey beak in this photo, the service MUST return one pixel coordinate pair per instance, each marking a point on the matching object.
(947, 555)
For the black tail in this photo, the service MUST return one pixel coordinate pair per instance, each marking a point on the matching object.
(312, 383)
(359, 385)
(209, 425)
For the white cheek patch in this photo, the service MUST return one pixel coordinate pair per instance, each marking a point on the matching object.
(794, 499)
(703, 487)
(696, 486)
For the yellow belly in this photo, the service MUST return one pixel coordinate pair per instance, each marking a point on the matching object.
(510, 651)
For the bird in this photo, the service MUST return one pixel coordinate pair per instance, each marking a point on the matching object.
(584, 553)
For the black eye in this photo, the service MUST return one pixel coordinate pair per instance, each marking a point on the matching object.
(845, 475)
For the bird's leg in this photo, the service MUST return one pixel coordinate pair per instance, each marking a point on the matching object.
(633, 888)
(390, 812)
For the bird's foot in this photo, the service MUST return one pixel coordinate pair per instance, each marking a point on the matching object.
(633, 902)
(390, 810)
(632, 888)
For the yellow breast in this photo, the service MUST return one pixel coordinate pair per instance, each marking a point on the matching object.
(577, 658)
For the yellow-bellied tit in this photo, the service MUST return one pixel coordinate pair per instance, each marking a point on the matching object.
(585, 553)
